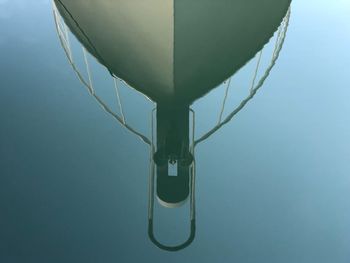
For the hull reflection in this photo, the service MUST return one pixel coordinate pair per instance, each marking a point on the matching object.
(173, 54)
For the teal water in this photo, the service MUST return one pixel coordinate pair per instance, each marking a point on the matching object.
(272, 185)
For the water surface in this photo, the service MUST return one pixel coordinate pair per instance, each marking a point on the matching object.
(272, 185)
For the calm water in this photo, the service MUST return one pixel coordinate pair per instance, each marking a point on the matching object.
(272, 185)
